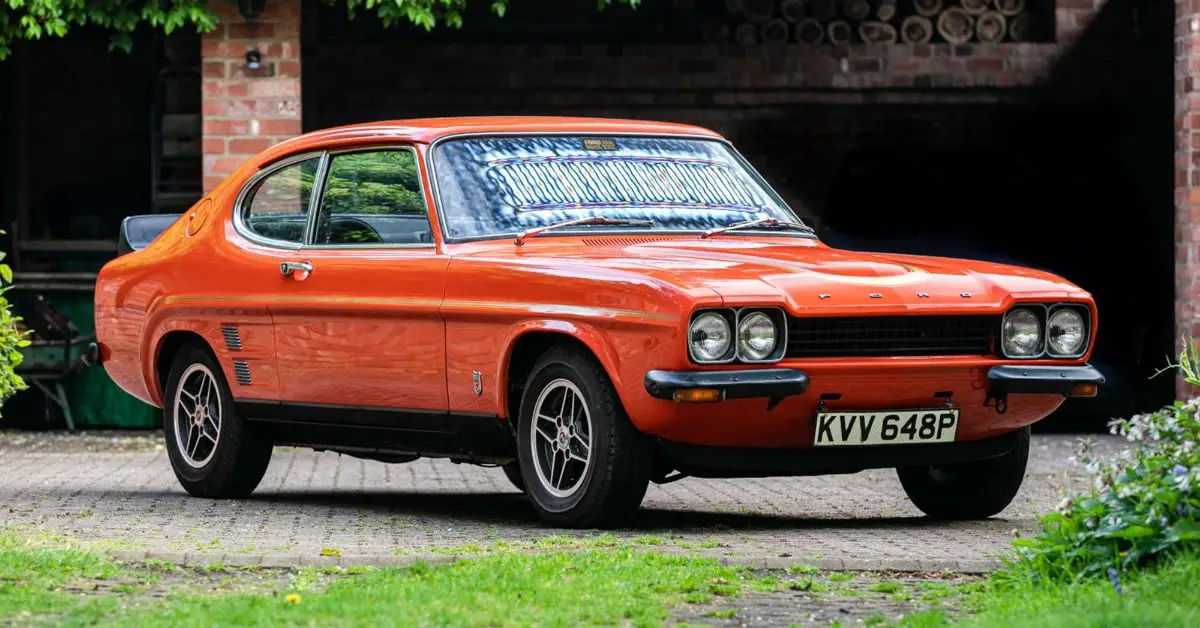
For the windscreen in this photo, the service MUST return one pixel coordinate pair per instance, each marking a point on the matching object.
(502, 185)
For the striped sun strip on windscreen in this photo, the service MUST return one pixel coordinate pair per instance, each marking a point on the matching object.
(548, 183)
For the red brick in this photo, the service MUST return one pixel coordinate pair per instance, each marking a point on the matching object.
(225, 127)
(985, 65)
(214, 146)
(289, 69)
(214, 69)
(213, 107)
(248, 146)
(222, 165)
(279, 127)
(275, 88)
(241, 30)
(238, 89)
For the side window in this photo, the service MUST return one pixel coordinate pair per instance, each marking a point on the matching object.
(278, 206)
(373, 197)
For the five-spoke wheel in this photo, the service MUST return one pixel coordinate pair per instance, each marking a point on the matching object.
(213, 451)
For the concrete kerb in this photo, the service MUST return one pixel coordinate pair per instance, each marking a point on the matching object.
(291, 561)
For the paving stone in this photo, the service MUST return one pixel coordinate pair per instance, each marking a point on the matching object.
(370, 511)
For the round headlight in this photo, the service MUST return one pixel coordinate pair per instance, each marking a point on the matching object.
(756, 337)
(709, 337)
(1022, 334)
(1065, 332)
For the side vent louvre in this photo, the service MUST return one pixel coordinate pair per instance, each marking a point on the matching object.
(233, 339)
(241, 370)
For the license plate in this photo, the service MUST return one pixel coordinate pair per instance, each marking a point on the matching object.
(886, 427)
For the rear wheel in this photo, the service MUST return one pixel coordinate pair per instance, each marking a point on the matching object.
(213, 451)
(972, 490)
(583, 463)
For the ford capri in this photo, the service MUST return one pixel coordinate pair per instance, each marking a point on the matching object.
(591, 304)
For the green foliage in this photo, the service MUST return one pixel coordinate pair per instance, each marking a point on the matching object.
(377, 182)
(34, 19)
(1144, 503)
(12, 340)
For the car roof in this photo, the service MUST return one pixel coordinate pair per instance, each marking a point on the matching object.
(427, 130)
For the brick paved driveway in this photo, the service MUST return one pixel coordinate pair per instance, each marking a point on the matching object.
(121, 491)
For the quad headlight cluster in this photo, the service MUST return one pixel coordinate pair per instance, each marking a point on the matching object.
(749, 334)
(1057, 330)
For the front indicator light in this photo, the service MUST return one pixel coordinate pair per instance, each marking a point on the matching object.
(698, 395)
(1084, 390)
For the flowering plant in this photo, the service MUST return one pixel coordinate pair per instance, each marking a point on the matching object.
(1143, 503)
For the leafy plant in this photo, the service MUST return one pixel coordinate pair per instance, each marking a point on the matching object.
(34, 19)
(1144, 503)
(12, 339)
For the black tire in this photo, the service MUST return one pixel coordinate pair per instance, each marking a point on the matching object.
(512, 471)
(610, 488)
(238, 458)
(973, 490)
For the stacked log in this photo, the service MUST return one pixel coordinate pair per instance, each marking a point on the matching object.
(991, 26)
(955, 25)
(840, 22)
(916, 29)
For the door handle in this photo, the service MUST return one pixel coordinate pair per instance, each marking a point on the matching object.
(288, 268)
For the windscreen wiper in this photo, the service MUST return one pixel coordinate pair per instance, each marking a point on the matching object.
(593, 220)
(761, 222)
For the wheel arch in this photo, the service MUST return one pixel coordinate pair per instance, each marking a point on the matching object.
(530, 340)
(169, 346)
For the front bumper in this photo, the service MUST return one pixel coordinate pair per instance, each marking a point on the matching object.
(769, 383)
(777, 383)
(1069, 381)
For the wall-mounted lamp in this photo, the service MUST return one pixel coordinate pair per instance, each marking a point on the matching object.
(253, 60)
(251, 9)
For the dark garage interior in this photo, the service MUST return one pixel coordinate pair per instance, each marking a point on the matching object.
(1072, 174)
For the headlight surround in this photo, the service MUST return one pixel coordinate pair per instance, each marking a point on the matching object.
(757, 337)
(710, 337)
(1066, 332)
(1021, 333)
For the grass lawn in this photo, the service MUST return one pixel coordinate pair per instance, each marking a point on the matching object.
(599, 582)
(620, 584)
(1166, 596)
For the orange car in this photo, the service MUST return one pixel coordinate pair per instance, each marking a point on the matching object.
(591, 304)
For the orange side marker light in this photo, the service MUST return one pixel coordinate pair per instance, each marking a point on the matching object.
(698, 395)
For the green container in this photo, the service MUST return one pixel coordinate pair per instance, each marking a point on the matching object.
(96, 401)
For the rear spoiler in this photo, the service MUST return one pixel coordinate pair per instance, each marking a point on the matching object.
(139, 231)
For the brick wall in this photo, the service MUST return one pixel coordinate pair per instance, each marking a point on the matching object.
(246, 110)
(1187, 171)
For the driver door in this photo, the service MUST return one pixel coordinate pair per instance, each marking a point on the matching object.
(357, 325)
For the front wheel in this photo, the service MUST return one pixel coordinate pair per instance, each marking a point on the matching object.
(583, 463)
(971, 490)
(213, 451)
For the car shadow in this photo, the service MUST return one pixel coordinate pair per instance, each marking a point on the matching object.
(513, 510)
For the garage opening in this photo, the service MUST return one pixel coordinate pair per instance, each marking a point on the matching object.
(939, 148)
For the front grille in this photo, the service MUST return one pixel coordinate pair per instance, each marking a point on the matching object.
(880, 336)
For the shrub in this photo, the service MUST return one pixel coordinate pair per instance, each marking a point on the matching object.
(12, 340)
(1143, 504)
